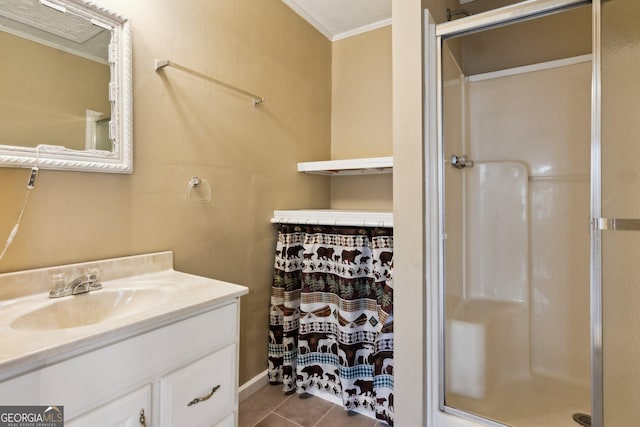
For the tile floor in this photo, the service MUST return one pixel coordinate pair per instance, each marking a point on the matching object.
(270, 407)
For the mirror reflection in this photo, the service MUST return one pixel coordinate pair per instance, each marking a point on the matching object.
(55, 76)
(65, 77)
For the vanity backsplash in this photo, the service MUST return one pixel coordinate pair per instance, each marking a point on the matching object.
(27, 282)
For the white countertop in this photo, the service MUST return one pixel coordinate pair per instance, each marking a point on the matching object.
(170, 296)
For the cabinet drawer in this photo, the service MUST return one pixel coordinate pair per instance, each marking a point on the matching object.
(196, 381)
(124, 411)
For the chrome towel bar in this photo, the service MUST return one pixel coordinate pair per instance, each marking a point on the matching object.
(159, 64)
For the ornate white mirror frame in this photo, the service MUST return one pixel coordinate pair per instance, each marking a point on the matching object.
(119, 159)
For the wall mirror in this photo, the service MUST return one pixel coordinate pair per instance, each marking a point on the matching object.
(65, 79)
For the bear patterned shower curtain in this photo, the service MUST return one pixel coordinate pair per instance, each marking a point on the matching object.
(331, 315)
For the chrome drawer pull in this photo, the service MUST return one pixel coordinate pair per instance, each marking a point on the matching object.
(201, 399)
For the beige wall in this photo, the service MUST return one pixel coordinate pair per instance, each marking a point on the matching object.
(410, 376)
(184, 126)
(415, 379)
(361, 117)
(46, 92)
(361, 95)
(620, 184)
(454, 100)
(556, 36)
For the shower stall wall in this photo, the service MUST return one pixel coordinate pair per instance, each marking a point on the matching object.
(516, 241)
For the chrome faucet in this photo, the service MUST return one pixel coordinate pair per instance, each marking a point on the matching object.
(80, 285)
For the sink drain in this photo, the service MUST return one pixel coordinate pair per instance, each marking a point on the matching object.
(583, 419)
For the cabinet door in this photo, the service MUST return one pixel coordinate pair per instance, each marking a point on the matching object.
(202, 393)
(122, 412)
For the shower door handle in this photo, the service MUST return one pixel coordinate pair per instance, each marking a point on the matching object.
(616, 224)
(461, 162)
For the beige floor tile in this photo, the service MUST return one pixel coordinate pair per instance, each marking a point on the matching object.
(270, 407)
(275, 420)
(260, 404)
(337, 416)
(304, 409)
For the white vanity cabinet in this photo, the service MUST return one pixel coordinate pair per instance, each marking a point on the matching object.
(197, 394)
(127, 411)
(160, 371)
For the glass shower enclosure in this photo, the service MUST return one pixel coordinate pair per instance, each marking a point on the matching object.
(532, 178)
(515, 203)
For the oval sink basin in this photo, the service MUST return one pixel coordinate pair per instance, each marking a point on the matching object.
(88, 309)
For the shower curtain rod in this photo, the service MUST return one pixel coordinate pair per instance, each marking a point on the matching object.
(333, 217)
(159, 64)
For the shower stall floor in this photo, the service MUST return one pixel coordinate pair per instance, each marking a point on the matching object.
(531, 402)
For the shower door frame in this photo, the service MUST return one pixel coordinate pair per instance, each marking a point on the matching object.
(434, 147)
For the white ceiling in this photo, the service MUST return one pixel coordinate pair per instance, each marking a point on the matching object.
(338, 19)
(37, 22)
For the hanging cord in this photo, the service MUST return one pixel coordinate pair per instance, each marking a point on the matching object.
(14, 231)
(30, 185)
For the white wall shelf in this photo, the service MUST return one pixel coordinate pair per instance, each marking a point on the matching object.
(333, 217)
(371, 165)
(358, 218)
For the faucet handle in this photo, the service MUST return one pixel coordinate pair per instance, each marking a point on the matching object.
(93, 274)
(58, 284)
(93, 278)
